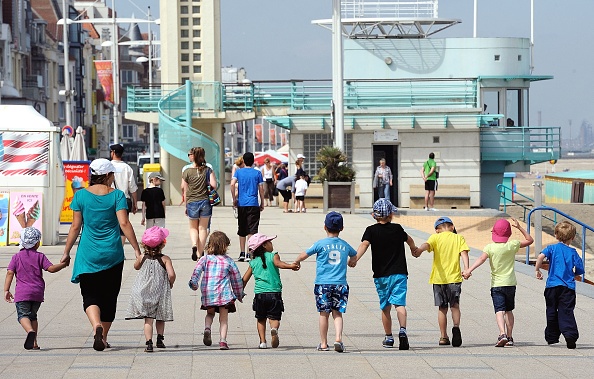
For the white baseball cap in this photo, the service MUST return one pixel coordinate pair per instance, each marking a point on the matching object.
(102, 166)
(300, 156)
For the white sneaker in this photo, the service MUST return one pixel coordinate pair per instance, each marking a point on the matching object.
(432, 209)
(263, 346)
(426, 209)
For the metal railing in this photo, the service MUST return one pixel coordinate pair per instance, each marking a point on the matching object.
(535, 144)
(584, 227)
(379, 9)
(503, 190)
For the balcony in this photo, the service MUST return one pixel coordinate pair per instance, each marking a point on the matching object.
(513, 144)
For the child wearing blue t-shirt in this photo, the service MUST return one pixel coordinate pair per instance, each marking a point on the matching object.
(331, 289)
(564, 264)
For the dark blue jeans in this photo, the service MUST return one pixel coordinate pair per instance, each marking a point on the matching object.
(560, 303)
(383, 191)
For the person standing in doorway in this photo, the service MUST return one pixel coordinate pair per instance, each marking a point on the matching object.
(124, 180)
(245, 199)
(429, 174)
(382, 180)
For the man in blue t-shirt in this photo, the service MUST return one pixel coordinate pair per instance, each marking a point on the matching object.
(245, 199)
(331, 289)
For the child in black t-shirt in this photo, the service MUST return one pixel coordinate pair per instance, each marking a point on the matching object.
(153, 202)
(388, 262)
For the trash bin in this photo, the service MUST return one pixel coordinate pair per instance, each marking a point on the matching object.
(147, 169)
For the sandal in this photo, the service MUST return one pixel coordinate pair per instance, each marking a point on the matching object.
(320, 348)
(98, 343)
(207, 339)
(444, 341)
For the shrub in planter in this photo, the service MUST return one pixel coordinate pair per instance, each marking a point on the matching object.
(334, 165)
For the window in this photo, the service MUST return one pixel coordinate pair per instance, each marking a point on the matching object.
(129, 77)
(185, 69)
(185, 45)
(519, 57)
(61, 110)
(195, 9)
(313, 142)
(61, 74)
(197, 57)
(183, 9)
(185, 57)
(129, 131)
(183, 21)
(196, 33)
(196, 45)
(184, 79)
(497, 57)
(196, 21)
(435, 139)
(124, 103)
(184, 33)
(197, 69)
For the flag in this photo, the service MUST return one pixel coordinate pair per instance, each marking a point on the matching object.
(258, 131)
(272, 137)
(283, 137)
(105, 76)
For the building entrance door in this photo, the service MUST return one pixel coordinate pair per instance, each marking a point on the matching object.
(390, 154)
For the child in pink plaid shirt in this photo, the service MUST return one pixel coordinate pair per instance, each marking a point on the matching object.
(221, 285)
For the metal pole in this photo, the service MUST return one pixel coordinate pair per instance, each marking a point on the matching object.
(65, 41)
(337, 75)
(538, 218)
(474, 32)
(150, 81)
(116, 75)
(531, 36)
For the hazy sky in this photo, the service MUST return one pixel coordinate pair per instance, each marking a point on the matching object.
(274, 39)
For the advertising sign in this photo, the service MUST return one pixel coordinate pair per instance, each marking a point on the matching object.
(77, 177)
(24, 158)
(25, 210)
(105, 76)
(4, 201)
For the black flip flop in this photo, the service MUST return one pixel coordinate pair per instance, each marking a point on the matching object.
(30, 341)
(98, 343)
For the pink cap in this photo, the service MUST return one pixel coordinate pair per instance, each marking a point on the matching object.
(258, 240)
(501, 231)
(154, 236)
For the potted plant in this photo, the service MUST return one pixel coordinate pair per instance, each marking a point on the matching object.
(337, 178)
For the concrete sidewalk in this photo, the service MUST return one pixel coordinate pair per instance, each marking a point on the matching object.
(66, 337)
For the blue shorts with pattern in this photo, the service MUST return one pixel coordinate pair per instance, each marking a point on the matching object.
(198, 209)
(391, 290)
(331, 297)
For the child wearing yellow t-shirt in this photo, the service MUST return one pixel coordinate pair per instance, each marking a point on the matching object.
(447, 247)
(502, 257)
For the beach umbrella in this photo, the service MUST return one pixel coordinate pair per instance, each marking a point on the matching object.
(65, 145)
(79, 150)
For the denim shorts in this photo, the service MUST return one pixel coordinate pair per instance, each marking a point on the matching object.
(198, 209)
(504, 298)
(391, 290)
(445, 294)
(331, 297)
(27, 309)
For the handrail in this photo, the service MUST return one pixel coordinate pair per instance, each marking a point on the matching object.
(501, 188)
(584, 227)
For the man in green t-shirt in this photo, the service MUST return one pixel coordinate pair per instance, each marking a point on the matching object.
(429, 174)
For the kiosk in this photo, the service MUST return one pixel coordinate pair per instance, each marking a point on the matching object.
(31, 172)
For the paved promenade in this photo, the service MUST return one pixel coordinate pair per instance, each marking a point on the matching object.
(66, 338)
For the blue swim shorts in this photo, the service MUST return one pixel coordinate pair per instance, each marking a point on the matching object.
(198, 209)
(331, 297)
(391, 290)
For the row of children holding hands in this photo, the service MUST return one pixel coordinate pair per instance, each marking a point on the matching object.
(221, 283)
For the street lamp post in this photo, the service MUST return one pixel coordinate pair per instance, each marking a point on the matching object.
(150, 84)
(337, 76)
(65, 41)
(116, 75)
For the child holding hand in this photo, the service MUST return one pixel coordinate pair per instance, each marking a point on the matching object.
(220, 284)
(268, 301)
(150, 298)
(28, 266)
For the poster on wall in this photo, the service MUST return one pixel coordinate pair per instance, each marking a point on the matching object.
(24, 158)
(25, 210)
(77, 177)
(4, 201)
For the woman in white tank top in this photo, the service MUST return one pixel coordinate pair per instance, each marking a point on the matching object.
(268, 174)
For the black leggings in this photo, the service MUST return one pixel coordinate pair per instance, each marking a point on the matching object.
(102, 289)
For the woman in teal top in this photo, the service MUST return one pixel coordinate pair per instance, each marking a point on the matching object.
(268, 301)
(100, 211)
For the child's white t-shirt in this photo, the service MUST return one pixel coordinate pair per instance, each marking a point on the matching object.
(300, 187)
